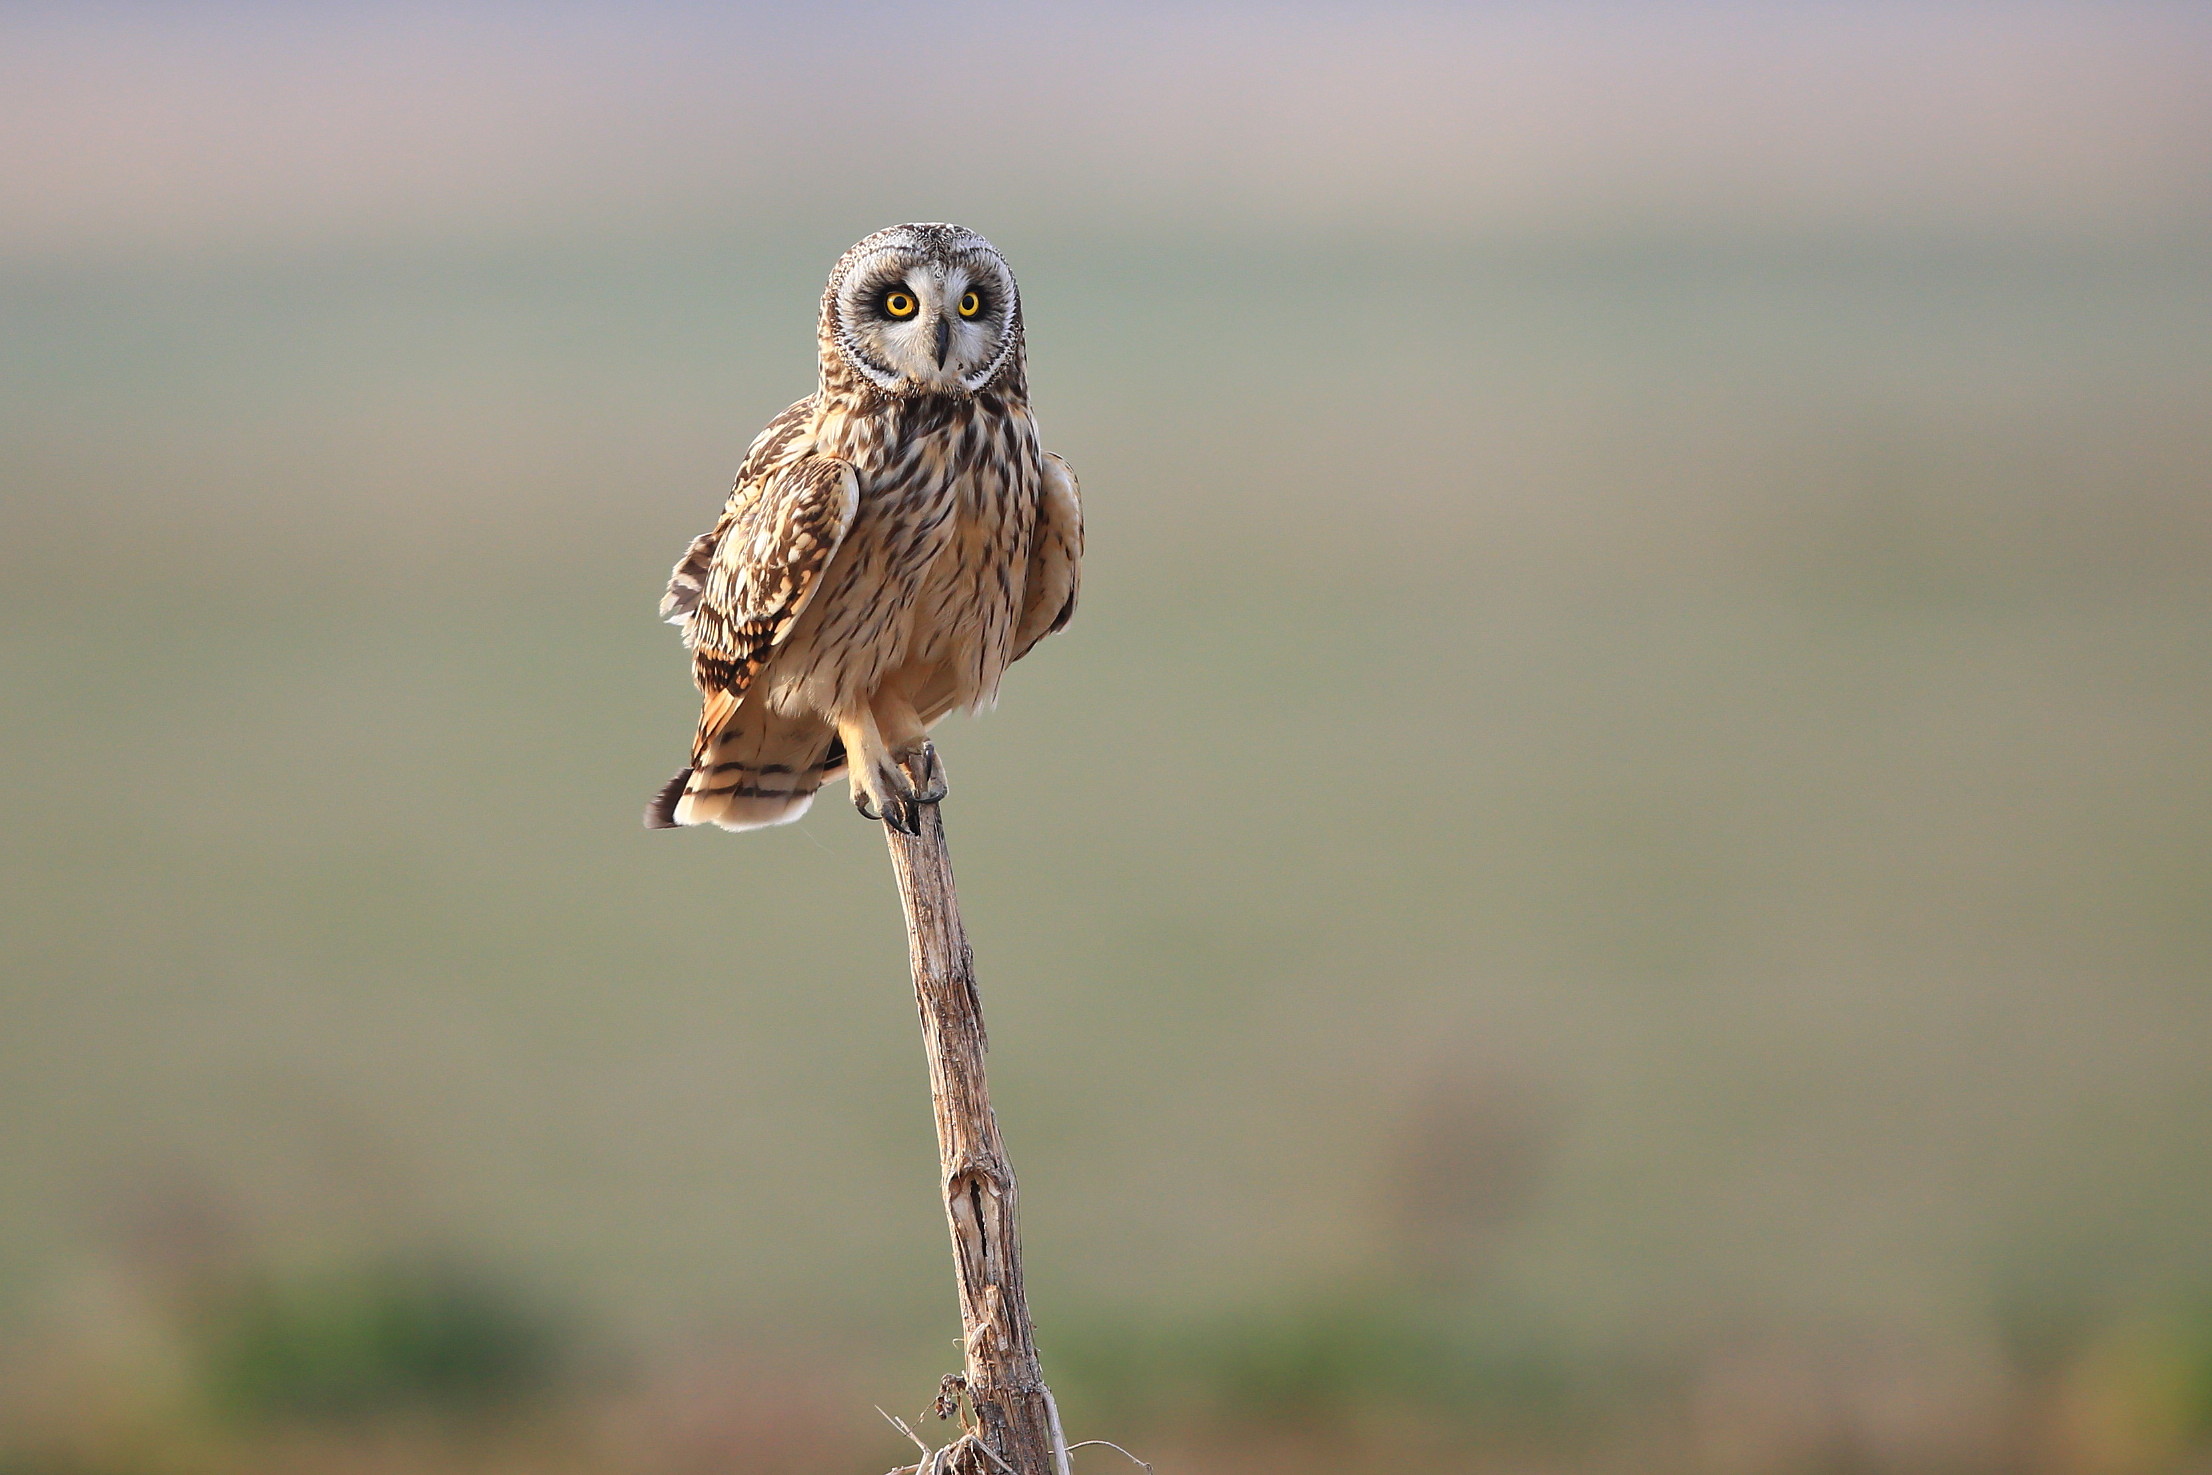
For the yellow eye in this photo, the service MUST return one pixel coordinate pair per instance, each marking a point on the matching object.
(970, 305)
(899, 305)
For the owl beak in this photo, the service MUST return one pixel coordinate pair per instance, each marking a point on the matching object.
(944, 340)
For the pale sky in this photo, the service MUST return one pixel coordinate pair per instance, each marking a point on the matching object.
(138, 129)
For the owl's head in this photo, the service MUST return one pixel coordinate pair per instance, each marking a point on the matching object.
(923, 309)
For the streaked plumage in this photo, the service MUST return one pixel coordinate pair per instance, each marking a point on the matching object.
(895, 540)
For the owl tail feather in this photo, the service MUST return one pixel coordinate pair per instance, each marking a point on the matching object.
(759, 769)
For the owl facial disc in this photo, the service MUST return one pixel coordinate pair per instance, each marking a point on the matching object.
(923, 309)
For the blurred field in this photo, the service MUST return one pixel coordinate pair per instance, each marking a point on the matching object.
(1614, 873)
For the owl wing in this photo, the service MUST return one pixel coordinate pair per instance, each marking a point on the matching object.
(762, 572)
(1055, 558)
(689, 577)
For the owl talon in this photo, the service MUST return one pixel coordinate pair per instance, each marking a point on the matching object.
(924, 775)
(895, 790)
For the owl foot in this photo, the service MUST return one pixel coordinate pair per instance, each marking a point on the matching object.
(923, 772)
(901, 786)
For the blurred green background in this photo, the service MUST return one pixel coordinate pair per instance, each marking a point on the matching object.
(1613, 875)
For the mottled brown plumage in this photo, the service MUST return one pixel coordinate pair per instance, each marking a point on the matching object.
(895, 540)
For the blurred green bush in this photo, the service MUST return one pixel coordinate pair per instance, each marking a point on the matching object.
(368, 1340)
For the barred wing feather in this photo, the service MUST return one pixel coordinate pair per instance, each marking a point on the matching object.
(764, 569)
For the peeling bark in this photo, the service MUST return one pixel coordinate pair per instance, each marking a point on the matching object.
(1005, 1384)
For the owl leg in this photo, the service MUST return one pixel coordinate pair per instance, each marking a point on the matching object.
(894, 769)
(869, 766)
(906, 735)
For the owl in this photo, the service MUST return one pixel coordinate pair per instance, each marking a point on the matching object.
(895, 541)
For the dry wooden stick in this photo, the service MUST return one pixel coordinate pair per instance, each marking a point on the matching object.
(1018, 1426)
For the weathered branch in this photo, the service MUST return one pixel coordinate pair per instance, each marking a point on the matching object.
(1017, 1423)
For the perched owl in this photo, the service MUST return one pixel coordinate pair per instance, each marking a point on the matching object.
(896, 540)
